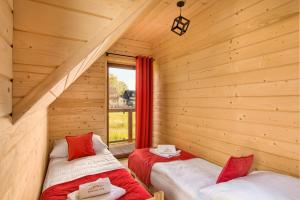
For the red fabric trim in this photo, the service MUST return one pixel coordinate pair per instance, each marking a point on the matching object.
(80, 146)
(235, 167)
(119, 177)
(141, 161)
(144, 101)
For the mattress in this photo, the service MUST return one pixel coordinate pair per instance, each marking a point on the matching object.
(183, 179)
(260, 185)
(61, 170)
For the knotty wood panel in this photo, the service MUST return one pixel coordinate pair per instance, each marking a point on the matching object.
(23, 146)
(23, 149)
(6, 25)
(230, 85)
(82, 107)
(5, 96)
(131, 47)
(66, 36)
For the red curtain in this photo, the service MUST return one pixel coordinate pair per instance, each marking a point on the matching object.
(144, 102)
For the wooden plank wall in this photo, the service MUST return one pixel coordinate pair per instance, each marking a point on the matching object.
(131, 47)
(6, 22)
(82, 107)
(230, 85)
(23, 146)
(128, 47)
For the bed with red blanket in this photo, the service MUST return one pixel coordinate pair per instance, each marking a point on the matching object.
(180, 177)
(64, 177)
(141, 162)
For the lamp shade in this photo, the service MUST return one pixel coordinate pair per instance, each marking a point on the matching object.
(180, 25)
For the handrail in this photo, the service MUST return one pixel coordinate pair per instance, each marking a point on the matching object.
(121, 109)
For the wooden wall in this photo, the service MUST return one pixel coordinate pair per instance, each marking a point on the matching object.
(230, 85)
(24, 155)
(23, 146)
(82, 107)
(6, 27)
(131, 47)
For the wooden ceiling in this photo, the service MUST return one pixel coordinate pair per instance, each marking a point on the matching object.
(55, 41)
(48, 32)
(157, 23)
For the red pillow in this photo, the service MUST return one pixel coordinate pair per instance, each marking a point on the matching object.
(80, 146)
(235, 167)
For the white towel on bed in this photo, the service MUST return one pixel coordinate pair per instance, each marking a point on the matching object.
(166, 149)
(115, 193)
(165, 155)
(95, 188)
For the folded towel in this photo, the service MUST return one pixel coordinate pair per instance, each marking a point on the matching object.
(115, 193)
(165, 155)
(95, 188)
(166, 149)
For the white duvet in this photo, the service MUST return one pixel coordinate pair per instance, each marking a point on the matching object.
(61, 170)
(183, 179)
(256, 186)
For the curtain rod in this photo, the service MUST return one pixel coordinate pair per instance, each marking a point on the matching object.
(116, 54)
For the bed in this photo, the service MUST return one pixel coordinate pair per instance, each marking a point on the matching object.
(179, 177)
(258, 185)
(195, 179)
(184, 178)
(64, 177)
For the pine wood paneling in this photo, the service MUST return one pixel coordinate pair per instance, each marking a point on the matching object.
(50, 20)
(5, 96)
(82, 107)
(103, 9)
(5, 59)
(23, 157)
(230, 85)
(131, 47)
(23, 146)
(6, 24)
(66, 35)
(6, 21)
(35, 49)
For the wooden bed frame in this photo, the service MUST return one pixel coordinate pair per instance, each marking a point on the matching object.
(158, 196)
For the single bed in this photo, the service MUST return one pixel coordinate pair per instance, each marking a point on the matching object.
(65, 176)
(179, 177)
(195, 179)
(258, 185)
(184, 178)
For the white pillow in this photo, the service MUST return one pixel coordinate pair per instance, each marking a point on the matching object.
(60, 147)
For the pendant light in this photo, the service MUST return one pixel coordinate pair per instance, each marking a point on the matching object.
(180, 24)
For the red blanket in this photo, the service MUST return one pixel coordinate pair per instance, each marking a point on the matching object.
(119, 177)
(141, 161)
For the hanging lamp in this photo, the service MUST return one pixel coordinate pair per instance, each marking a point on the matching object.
(180, 24)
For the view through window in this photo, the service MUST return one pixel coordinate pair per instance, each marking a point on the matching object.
(121, 104)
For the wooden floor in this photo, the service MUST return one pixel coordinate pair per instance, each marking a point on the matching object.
(121, 150)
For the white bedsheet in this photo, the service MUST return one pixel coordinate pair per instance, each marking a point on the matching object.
(182, 180)
(61, 170)
(256, 186)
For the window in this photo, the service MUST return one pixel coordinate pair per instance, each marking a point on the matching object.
(121, 104)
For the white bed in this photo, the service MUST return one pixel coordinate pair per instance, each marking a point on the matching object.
(195, 179)
(183, 179)
(260, 185)
(61, 170)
